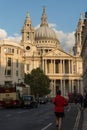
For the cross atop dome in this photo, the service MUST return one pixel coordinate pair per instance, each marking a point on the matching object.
(44, 9)
(28, 15)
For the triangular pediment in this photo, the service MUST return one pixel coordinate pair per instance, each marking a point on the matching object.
(58, 53)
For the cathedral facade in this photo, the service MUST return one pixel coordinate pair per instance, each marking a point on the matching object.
(41, 48)
(84, 53)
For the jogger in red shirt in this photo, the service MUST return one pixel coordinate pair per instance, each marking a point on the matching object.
(60, 102)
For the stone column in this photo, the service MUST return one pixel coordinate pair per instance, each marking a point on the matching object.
(54, 87)
(64, 86)
(61, 86)
(43, 65)
(70, 89)
(78, 86)
(54, 66)
(46, 66)
(63, 67)
(69, 67)
(72, 86)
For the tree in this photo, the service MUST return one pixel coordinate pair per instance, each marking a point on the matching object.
(38, 81)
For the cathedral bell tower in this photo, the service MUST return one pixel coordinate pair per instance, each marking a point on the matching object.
(27, 31)
(78, 37)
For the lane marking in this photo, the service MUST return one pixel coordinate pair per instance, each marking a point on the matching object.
(47, 126)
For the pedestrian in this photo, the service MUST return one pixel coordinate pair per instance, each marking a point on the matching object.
(81, 100)
(85, 101)
(59, 103)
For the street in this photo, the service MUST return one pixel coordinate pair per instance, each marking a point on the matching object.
(41, 118)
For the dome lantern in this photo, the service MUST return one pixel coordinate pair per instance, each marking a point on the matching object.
(44, 18)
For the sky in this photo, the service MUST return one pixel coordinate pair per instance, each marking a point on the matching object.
(62, 15)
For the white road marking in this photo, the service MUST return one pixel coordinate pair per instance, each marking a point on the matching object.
(8, 115)
(47, 126)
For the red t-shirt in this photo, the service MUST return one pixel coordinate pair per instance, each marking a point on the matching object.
(59, 102)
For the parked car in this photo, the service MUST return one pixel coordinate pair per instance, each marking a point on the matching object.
(28, 101)
(42, 100)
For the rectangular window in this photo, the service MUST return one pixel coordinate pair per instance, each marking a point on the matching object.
(8, 83)
(57, 66)
(9, 61)
(9, 50)
(12, 50)
(9, 72)
(17, 51)
(74, 68)
(17, 63)
(16, 72)
(5, 71)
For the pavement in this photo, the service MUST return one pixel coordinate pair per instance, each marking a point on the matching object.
(81, 119)
(84, 119)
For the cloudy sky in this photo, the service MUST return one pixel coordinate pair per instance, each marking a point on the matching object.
(63, 17)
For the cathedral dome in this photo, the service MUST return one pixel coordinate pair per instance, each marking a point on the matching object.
(45, 36)
(45, 32)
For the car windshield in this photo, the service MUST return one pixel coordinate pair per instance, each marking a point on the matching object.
(27, 97)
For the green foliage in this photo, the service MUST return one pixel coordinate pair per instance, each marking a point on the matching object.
(38, 82)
